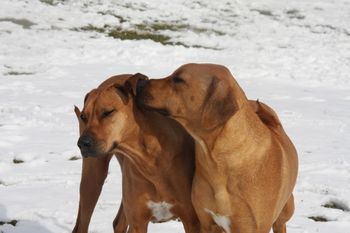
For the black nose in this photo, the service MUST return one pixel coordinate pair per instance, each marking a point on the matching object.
(140, 85)
(85, 141)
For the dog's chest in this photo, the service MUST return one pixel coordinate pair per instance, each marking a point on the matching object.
(161, 211)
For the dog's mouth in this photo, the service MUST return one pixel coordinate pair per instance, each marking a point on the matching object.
(113, 148)
(96, 152)
(89, 153)
(142, 102)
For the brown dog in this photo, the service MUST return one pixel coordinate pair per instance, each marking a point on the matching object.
(155, 153)
(246, 166)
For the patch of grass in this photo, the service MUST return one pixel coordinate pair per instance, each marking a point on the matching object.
(294, 14)
(25, 23)
(16, 161)
(175, 27)
(19, 73)
(336, 205)
(202, 30)
(52, 2)
(318, 219)
(147, 32)
(74, 158)
(93, 28)
(123, 34)
(158, 26)
(264, 12)
(136, 35)
(12, 222)
(49, 2)
(120, 18)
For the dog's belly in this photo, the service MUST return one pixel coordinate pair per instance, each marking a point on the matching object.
(161, 211)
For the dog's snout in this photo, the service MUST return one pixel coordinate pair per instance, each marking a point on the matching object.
(85, 142)
(140, 85)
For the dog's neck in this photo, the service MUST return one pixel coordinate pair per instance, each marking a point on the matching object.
(147, 147)
(243, 131)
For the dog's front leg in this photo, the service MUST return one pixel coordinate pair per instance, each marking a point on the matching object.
(94, 173)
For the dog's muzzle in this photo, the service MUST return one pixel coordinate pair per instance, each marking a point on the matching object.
(87, 145)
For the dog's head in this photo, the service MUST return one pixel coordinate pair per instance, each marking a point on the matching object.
(199, 96)
(107, 116)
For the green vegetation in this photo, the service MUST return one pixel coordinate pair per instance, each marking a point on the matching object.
(18, 73)
(294, 14)
(175, 27)
(264, 12)
(12, 222)
(121, 18)
(148, 31)
(17, 161)
(137, 35)
(25, 23)
(92, 28)
(74, 158)
(318, 218)
(51, 2)
(336, 205)
(157, 26)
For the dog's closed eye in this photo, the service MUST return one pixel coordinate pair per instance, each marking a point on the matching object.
(107, 113)
(177, 79)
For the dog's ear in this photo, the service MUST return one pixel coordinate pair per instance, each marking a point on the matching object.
(218, 105)
(131, 83)
(266, 114)
(77, 111)
(122, 92)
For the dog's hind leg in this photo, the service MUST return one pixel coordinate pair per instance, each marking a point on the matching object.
(279, 225)
(94, 173)
(190, 223)
(120, 224)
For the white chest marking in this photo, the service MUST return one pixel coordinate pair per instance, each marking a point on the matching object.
(160, 210)
(222, 221)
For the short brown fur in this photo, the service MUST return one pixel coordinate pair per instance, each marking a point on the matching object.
(156, 156)
(246, 166)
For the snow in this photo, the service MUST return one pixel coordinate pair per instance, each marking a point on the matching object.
(294, 55)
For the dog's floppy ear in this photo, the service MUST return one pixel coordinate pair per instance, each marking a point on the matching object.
(122, 92)
(131, 83)
(218, 105)
(266, 114)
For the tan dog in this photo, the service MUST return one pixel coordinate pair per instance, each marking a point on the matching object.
(155, 153)
(246, 166)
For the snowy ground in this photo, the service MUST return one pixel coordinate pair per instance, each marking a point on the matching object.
(293, 55)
